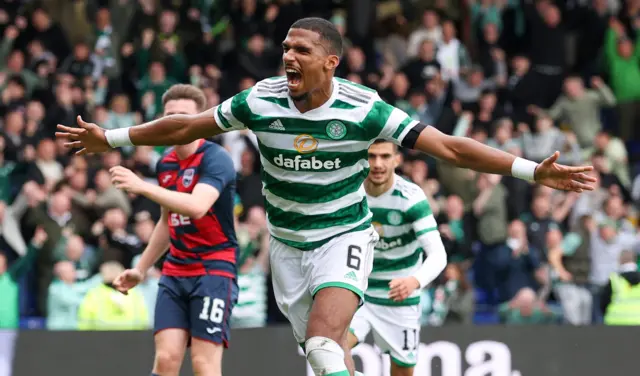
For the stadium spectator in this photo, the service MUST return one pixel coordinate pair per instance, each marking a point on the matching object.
(548, 139)
(424, 66)
(450, 301)
(84, 259)
(117, 243)
(622, 62)
(430, 29)
(248, 182)
(490, 210)
(619, 303)
(66, 295)
(453, 55)
(547, 49)
(539, 221)
(580, 109)
(615, 156)
(570, 260)
(455, 229)
(12, 62)
(10, 276)
(105, 308)
(526, 308)
(251, 309)
(256, 61)
(606, 244)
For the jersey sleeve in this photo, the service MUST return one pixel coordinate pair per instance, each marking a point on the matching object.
(216, 169)
(158, 171)
(420, 214)
(388, 122)
(234, 113)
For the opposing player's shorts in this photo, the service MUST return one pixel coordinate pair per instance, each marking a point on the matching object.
(396, 330)
(344, 261)
(200, 305)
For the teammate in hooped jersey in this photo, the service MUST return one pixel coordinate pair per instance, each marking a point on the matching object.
(407, 228)
(198, 288)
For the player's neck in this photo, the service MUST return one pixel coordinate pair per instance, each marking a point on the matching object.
(185, 151)
(315, 98)
(376, 190)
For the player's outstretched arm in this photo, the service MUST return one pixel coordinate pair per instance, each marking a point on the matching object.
(168, 130)
(467, 153)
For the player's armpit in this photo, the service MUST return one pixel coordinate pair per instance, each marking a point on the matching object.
(175, 129)
(464, 152)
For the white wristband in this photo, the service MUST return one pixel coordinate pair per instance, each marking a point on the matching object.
(524, 169)
(118, 137)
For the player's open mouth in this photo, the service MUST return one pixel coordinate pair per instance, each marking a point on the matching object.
(294, 78)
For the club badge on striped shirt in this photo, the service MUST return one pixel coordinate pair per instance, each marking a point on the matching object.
(187, 177)
(394, 218)
(336, 130)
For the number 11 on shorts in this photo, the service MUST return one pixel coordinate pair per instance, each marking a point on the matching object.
(407, 335)
(216, 315)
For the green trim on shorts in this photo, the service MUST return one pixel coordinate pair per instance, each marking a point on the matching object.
(401, 364)
(311, 246)
(341, 285)
(301, 344)
(390, 303)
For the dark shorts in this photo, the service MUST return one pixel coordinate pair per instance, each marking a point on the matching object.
(200, 305)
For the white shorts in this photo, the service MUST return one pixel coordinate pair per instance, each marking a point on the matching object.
(396, 330)
(344, 261)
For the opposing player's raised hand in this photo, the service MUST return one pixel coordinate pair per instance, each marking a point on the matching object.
(125, 179)
(566, 178)
(402, 288)
(88, 137)
(127, 280)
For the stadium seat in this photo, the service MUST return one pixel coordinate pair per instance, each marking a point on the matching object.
(35, 323)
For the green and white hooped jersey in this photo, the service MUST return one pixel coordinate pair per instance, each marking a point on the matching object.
(314, 163)
(400, 216)
(251, 309)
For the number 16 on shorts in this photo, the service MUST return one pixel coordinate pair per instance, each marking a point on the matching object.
(212, 312)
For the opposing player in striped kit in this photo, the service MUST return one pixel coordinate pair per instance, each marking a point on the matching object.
(198, 288)
(404, 221)
(314, 131)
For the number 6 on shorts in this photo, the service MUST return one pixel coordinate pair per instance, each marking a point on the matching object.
(217, 310)
(353, 257)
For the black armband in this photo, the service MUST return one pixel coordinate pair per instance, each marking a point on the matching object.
(409, 141)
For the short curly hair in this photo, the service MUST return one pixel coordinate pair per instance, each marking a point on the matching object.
(327, 31)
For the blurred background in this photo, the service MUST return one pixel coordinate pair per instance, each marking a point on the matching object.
(528, 77)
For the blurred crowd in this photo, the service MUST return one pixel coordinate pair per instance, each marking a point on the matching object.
(528, 77)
